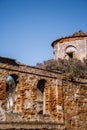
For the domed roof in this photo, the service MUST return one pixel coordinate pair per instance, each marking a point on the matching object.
(79, 33)
(75, 36)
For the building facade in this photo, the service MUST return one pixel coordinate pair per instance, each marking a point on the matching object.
(71, 47)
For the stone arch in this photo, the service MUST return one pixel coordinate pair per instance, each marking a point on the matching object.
(70, 52)
(40, 96)
(11, 84)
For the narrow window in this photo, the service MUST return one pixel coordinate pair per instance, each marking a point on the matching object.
(11, 83)
(40, 96)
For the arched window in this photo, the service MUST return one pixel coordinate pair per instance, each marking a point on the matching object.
(70, 52)
(11, 83)
(40, 96)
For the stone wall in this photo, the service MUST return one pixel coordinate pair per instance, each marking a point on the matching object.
(27, 102)
(79, 44)
(75, 104)
(41, 99)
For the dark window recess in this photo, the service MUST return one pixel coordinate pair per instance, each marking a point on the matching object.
(70, 55)
(40, 94)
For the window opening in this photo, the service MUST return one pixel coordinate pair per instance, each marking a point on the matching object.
(70, 52)
(11, 83)
(70, 55)
(40, 96)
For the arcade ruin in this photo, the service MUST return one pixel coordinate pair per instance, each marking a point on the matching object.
(32, 98)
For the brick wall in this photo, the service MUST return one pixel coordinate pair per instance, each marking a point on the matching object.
(62, 103)
(75, 104)
(27, 104)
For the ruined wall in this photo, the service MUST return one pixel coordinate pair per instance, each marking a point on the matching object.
(79, 44)
(23, 104)
(75, 104)
(41, 99)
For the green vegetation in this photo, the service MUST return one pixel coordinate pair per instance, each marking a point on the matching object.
(71, 68)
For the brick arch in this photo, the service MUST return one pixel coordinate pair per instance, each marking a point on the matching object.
(14, 77)
(70, 52)
(71, 47)
(28, 80)
(41, 85)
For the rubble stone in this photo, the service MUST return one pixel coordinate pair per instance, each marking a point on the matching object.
(44, 100)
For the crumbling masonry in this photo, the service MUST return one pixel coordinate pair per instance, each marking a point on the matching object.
(71, 47)
(40, 99)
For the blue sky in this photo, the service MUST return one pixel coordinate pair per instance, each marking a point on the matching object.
(28, 27)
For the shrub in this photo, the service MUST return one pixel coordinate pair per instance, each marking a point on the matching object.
(72, 67)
